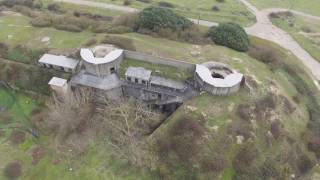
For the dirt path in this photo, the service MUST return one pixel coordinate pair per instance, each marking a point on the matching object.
(266, 30)
(263, 29)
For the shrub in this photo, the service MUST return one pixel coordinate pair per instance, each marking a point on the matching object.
(119, 30)
(220, 1)
(269, 169)
(243, 111)
(127, 2)
(24, 54)
(121, 42)
(70, 27)
(231, 35)
(145, 1)
(166, 4)
(304, 164)
(154, 19)
(17, 137)
(245, 157)
(267, 55)
(11, 3)
(215, 8)
(54, 7)
(183, 140)
(3, 49)
(216, 163)
(26, 11)
(41, 21)
(91, 42)
(100, 28)
(128, 20)
(13, 170)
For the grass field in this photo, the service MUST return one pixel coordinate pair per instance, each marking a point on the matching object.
(308, 6)
(305, 31)
(230, 10)
(15, 29)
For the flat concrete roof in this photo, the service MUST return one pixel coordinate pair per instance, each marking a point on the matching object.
(55, 81)
(229, 81)
(138, 72)
(88, 56)
(61, 61)
(160, 81)
(104, 83)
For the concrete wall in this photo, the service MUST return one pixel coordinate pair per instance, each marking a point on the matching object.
(219, 91)
(158, 60)
(103, 69)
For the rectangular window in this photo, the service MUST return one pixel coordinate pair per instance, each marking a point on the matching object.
(129, 78)
(136, 80)
(143, 82)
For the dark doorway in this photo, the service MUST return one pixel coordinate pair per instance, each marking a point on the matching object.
(112, 70)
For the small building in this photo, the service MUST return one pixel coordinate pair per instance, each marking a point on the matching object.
(59, 85)
(217, 79)
(167, 84)
(138, 75)
(62, 63)
(110, 86)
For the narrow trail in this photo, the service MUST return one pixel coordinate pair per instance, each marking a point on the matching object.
(263, 29)
(266, 30)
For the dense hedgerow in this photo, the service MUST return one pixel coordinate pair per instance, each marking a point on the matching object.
(155, 18)
(231, 35)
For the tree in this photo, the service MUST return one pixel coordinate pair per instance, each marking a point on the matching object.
(231, 35)
(155, 18)
(126, 123)
(69, 113)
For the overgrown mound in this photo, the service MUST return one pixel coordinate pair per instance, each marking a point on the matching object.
(231, 35)
(155, 18)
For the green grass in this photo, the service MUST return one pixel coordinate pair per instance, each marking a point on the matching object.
(162, 70)
(18, 106)
(230, 10)
(308, 6)
(296, 27)
(17, 30)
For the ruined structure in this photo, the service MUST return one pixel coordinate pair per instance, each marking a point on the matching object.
(217, 79)
(99, 69)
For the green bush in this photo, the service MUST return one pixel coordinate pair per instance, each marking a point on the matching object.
(41, 21)
(231, 35)
(119, 30)
(155, 18)
(121, 42)
(23, 54)
(70, 27)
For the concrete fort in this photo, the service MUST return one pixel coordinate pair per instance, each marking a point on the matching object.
(99, 69)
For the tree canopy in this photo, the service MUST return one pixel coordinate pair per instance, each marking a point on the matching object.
(231, 35)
